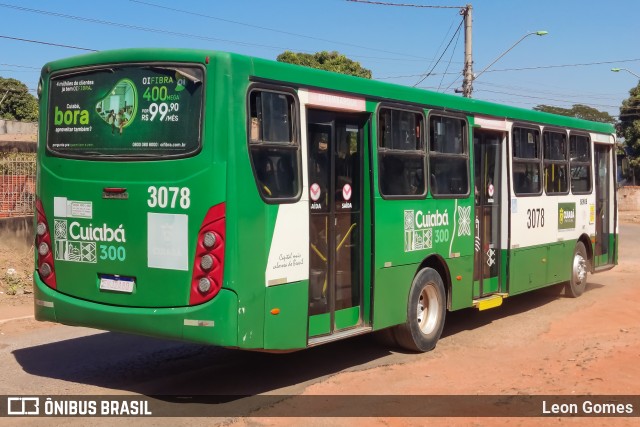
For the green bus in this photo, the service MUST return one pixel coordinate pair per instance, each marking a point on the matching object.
(235, 201)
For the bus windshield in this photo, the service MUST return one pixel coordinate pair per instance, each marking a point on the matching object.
(140, 111)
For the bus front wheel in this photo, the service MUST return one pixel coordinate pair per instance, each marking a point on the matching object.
(578, 282)
(425, 313)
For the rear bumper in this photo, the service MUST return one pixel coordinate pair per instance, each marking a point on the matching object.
(214, 322)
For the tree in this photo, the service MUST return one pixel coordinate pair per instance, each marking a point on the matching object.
(329, 61)
(578, 110)
(17, 103)
(629, 128)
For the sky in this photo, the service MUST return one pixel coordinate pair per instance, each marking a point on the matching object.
(571, 64)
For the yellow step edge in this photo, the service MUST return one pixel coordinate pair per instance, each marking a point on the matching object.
(492, 301)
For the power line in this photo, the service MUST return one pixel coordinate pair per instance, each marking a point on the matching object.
(172, 33)
(380, 3)
(579, 94)
(583, 64)
(455, 47)
(542, 98)
(289, 33)
(452, 83)
(136, 27)
(538, 84)
(47, 43)
(10, 70)
(21, 66)
(424, 76)
(443, 41)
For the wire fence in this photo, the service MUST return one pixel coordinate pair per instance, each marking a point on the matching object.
(17, 184)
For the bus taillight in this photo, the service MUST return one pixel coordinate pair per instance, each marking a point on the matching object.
(46, 269)
(209, 262)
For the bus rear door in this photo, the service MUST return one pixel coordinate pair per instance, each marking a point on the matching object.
(488, 197)
(605, 235)
(336, 227)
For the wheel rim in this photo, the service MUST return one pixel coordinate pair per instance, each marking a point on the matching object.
(579, 270)
(428, 312)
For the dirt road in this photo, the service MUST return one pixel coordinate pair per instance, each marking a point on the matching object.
(534, 344)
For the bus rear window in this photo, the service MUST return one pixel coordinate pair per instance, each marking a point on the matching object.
(139, 110)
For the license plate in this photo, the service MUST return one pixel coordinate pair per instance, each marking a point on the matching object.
(117, 284)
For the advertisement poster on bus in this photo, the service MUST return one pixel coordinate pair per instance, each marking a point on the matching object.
(129, 110)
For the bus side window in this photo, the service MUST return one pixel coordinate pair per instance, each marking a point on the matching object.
(580, 163)
(448, 156)
(274, 145)
(555, 162)
(401, 154)
(526, 161)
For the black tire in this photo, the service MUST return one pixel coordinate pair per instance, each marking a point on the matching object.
(579, 268)
(426, 310)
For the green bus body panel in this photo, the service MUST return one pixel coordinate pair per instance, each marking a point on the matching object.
(491, 285)
(461, 290)
(539, 266)
(504, 268)
(320, 324)
(347, 318)
(395, 240)
(390, 296)
(221, 172)
(155, 322)
(286, 330)
(560, 261)
(607, 259)
(155, 287)
(528, 269)
(396, 247)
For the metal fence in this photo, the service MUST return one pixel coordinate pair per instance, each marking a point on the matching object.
(17, 184)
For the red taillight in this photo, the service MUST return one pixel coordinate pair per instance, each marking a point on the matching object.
(46, 269)
(209, 262)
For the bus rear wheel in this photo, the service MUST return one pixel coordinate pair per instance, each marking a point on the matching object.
(578, 282)
(426, 312)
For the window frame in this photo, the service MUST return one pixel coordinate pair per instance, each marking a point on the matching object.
(564, 162)
(465, 152)
(295, 143)
(382, 151)
(581, 162)
(526, 160)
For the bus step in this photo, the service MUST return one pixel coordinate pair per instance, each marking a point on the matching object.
(491, 301)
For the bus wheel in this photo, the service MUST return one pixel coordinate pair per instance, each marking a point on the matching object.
(578, 280)
(425, 313)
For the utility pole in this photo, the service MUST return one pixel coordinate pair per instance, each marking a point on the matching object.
(467, 83)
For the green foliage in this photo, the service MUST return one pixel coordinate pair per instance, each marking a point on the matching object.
(18, 103)
(329, 61)
(629, 127)
(579, 111)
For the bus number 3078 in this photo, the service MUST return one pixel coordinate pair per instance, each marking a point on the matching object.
(535, 218)
(163, 197)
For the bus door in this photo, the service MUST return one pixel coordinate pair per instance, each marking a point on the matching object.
(335, 159)
(603, 251)
(487, 166)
